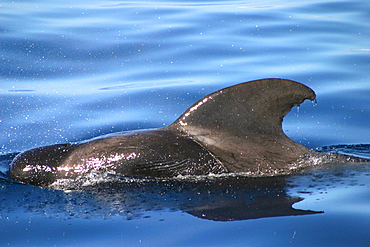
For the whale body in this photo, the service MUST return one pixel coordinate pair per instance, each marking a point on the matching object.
(236, 129)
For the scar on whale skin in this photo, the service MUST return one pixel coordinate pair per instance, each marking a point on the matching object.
(236, 129)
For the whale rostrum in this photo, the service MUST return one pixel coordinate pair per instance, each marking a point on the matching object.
(237, 129)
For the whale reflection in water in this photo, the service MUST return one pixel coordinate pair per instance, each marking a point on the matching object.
(219, 198)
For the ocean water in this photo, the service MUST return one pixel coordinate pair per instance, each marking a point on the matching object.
(73, 70)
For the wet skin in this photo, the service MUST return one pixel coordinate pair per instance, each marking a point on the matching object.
(236, 129)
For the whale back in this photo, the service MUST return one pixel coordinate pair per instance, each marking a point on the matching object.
(236, 129)
(242, 124)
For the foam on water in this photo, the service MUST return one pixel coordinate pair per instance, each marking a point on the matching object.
(316, 160)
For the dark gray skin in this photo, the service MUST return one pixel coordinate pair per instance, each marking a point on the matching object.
(236, 129)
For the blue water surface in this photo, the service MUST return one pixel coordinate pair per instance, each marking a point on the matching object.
(73, 70)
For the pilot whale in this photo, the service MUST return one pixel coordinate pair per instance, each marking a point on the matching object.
(236, 129)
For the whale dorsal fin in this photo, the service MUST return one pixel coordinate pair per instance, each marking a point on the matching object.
(242, 124)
